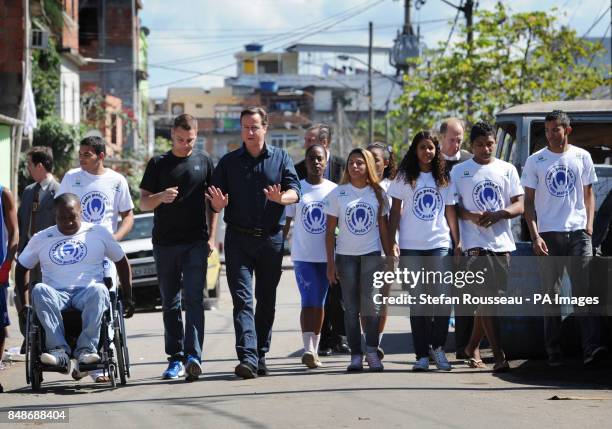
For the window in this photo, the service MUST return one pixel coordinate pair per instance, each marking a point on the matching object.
(268, 67)
(506, 135)
(594, 137)
(178, 109)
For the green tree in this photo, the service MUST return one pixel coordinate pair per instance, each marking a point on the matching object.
(162, 145)
(63, 140)
(514, 59)
(46, 79)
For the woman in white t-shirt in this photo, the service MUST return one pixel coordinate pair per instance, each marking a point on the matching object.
(428, 228)
(359, 208)
(386, 169)
(307, 244)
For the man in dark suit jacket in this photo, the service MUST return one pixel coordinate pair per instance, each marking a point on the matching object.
(35, 212)
(321, 133)
(451, 137)
(333, 335)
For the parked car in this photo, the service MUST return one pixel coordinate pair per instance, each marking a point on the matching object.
(139, 250)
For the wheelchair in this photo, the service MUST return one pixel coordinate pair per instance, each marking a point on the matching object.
(114, 356)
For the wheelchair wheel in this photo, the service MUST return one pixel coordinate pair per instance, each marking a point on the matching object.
(122, 351)
(120, 357)
(33, 369)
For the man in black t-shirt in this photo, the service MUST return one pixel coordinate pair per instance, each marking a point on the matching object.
(173, 186)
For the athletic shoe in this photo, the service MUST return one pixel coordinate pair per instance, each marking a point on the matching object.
(175, 370)
(421, 365)
(342, 348)
(597, 355)
(374, 362)
(193, 368)
(245, 370)
(56, 357)
(381, 353)
(439, 358)
(88, 358)
(309, 360)
(356, 364)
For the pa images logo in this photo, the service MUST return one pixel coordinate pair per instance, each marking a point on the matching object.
(67, 252)
(560, 180)
(426, 204)
(313, 217)
(360, 218)
(94, 206)
(487, 196)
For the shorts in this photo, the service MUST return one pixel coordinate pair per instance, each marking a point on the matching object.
(4, 317)
(494, 265)
(312, 282)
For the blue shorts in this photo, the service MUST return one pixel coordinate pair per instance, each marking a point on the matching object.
(312, 281)
(4, 319)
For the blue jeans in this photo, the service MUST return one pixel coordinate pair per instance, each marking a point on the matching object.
(245, 255)
(356, 280)
(429, 322)
(189, 261)
(92, 301)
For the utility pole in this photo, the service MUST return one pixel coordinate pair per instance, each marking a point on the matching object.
(610, 68)
(407, 20)
(370, 99)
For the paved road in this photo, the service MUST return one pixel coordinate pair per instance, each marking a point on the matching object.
(295, 396)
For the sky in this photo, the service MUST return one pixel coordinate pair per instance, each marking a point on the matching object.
(192, 43)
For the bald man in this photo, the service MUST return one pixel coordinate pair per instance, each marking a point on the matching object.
(451, 137)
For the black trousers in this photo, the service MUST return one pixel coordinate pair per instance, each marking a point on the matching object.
(332, 331)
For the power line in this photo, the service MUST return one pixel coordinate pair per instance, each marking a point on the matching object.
(596, 22)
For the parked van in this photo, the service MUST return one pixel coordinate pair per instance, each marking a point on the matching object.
(520, 132)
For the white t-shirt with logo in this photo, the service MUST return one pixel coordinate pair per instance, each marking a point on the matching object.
(309, 222)
(71, 261)
(480, 188)
(558, 179)
(357, 213)
(423, 224)
(102, 196)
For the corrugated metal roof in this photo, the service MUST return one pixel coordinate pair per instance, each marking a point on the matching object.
(573, 106)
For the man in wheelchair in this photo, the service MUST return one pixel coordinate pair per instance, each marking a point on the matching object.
(70, 256)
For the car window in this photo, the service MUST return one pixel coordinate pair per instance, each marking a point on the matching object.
(506, 136)
(595, 137)
(143, 227)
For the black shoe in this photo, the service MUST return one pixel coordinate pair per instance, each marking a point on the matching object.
(22, 349)
(597, 355)
(461, 355)
(342, 348)
(555, 360)
(325, 351)
(245, 370)
(262, 369)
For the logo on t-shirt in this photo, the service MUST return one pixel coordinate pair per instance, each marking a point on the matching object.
(487, 196)
(560, 180)
(360, 218)
(67, 252)
(93, 205)
(313, 217)
(426, 203)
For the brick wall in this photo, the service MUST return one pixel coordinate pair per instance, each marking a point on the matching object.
(11, 36)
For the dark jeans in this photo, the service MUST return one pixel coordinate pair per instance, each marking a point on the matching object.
(189, 262)
(429, 322)
(245, 255)
(333, 331)
(577, 246)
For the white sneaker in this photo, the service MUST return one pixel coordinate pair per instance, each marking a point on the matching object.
(421, 365)
(89, 358)
(57, 357)
(356, 364)
(374, 362)
(439, 358)
(309, 360)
